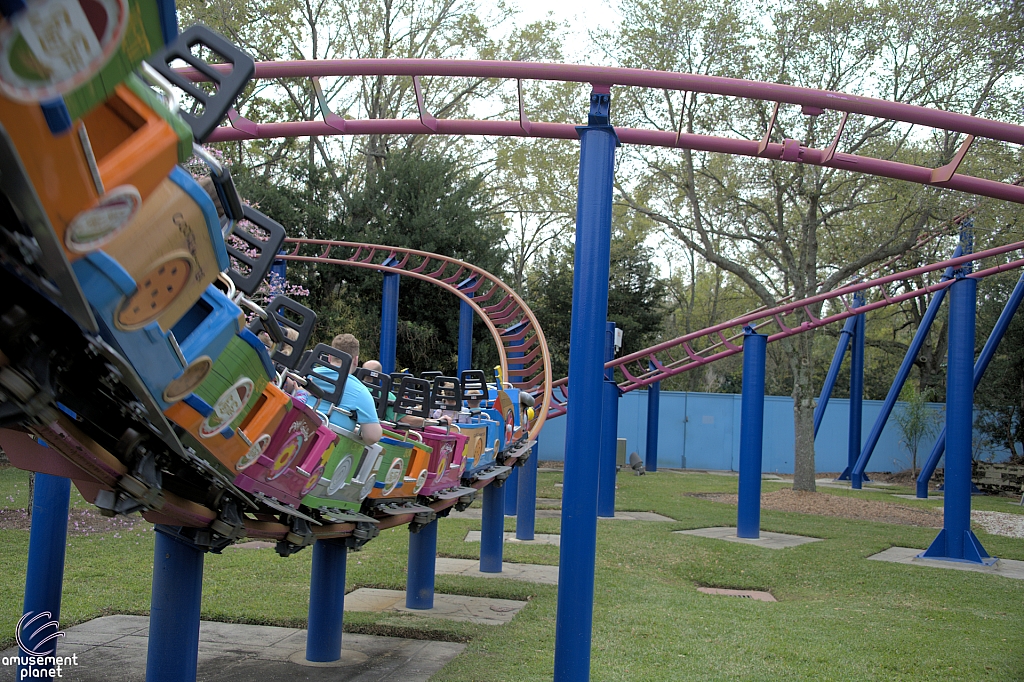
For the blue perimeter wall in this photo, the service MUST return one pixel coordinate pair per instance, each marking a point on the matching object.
(701, 431)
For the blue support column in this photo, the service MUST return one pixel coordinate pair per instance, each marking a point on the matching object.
(419, 585)
(985, 357)
(856, 402)
(653, 418)
(748, 516)
(512, 482)
(326, 601)
(901, 377)
(44, 575)
(574, 620)
(174, 609)
(512, 492)
(492, 529)
(527, 497)
(833, 370)
(608, 470)
(389, 323)
(956, 541)
(466, 317)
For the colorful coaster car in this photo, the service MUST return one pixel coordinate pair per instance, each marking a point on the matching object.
(349, 476)
(92, 181)
(481, 445)
(234, 412)
(403, 469)
(294, 459)
(173, 248)
(78, 49)
(170, 363)
(444, 471)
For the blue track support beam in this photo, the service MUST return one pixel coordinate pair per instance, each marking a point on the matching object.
(512, 482)
(174, 609)
(856, 401)
(326, 601)
(608, 469)
(984, 358)
(574, 619)
(748, 516)
(44, 575)
(466, 318)
(525, 521)
(512, 492)
(901, 376)
(389, 323)
(956, 541)
(419, 585)
(653, 419)
(492, 529)
(833, 371)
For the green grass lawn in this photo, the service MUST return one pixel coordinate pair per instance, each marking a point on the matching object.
(839, 617)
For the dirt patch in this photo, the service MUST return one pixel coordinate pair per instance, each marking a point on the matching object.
(80, 521)
(823, 504)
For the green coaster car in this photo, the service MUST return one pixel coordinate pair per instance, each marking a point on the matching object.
(349, 475)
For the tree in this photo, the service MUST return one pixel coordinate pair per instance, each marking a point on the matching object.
(635, 292)
(915, 420)
(791, 229)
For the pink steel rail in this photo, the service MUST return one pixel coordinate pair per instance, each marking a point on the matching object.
(504, 313)
(721, 338)
(812, 102)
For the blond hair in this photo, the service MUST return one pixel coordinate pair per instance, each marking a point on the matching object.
(346, 343)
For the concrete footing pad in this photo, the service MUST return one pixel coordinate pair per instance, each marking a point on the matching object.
(767, 540)
(1008, 568)
(115, 647)
(530, 573)
(481, 610)
(538, 538)
(915, 497)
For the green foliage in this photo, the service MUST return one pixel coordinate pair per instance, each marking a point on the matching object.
(915, 420)
(635, 293)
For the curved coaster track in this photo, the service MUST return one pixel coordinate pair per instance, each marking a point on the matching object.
(718, 341)
(507, 317)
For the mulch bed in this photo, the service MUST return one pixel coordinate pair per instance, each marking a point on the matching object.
(823, 504)
(80, 521)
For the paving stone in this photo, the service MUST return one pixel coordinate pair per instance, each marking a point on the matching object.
(915, 497)
(477, 513)
(239, 654)
(531, 573)
(767, 540)
(481, 610)
(1008, 568)
(538, 538)
(636, 516)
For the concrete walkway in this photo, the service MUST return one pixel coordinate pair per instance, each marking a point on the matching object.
(530, 573)
(1008, 568)
(766, 539)
(114, 648)
(480, 610)
(510, 537)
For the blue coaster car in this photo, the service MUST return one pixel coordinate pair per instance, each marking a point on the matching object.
(170, 363)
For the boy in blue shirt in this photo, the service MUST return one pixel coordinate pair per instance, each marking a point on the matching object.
(356, 398)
